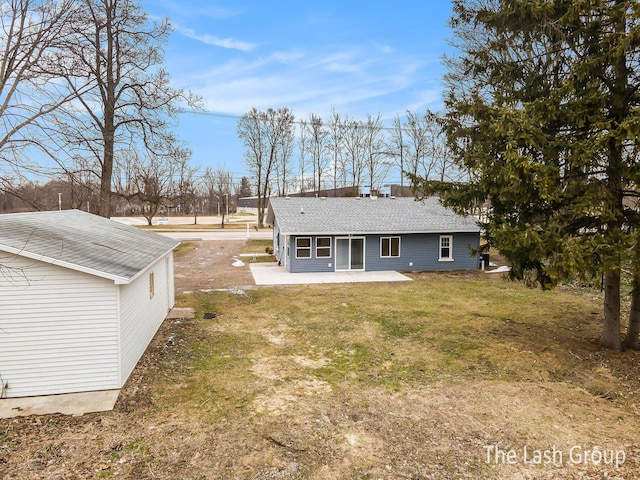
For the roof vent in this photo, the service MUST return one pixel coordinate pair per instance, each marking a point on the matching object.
(302, 210)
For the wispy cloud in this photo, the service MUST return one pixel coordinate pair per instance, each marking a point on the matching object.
(288, 57)
(215, 41)
(355, 81)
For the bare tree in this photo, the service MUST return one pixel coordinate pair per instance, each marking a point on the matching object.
(353, 147)
(146, 181)
(443, 166)
(416, 128)
(83, 187)
(284, 152)
(335, 134)
(219, 186)
(33, 34)
(318, 141)
(303, 147)
(375, 156)
(117, 51)
(397, 146)
(186, 187)
(251, 132)
(266, 136)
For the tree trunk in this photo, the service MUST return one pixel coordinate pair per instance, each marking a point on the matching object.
(108, 86)
(611, 332)
(261, 201)
(632, 339)
(619, 110)
(104, 209)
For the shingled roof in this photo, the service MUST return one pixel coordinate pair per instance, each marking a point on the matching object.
(81, 241)
(356, 216)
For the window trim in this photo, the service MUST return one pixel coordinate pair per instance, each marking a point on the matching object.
(152, 285)
(298, 248)
(324, 248)
(390, 253)
(450, 247)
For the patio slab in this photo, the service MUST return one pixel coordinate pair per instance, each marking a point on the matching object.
(272, 274)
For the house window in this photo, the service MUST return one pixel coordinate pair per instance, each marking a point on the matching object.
(152, 286)
(390, 246)
(323, 247)
(303, 247)
(446, 248)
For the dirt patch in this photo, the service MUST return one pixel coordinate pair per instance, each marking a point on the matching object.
(209, 264)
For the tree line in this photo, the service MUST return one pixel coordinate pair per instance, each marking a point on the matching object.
(188, 191)
(84, 96)
(286, 154)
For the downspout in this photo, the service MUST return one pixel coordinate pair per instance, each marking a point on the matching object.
(287, 249)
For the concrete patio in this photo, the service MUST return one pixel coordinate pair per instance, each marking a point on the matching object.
(272, 274)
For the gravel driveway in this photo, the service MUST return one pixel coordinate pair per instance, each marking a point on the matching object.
(209, 265)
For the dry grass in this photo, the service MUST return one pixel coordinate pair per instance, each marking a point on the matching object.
(257, 246)
(183, 249)
(408, 380)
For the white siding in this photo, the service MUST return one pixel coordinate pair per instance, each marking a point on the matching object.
(141, 316)
(171, 297)
(58, 329)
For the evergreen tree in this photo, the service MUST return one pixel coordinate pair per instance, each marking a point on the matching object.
(244, 190)
(542, 109)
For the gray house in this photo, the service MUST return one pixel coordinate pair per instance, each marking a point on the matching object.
(332, 234)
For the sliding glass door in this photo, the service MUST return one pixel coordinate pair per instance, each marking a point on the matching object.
(350, 253)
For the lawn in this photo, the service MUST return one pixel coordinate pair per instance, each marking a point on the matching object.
(448, 376)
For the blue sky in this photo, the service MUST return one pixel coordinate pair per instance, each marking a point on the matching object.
(360, 57)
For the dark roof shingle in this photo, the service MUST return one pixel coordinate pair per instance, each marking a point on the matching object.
(89, 242)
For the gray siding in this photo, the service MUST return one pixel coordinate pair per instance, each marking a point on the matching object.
(58, 329)
(313, 264)
(418, 252)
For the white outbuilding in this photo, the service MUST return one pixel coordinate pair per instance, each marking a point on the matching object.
(81, 297)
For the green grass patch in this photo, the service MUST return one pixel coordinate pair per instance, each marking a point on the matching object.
(257, 245)
(183, 248)
(392, 335)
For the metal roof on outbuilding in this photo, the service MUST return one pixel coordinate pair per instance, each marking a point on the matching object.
(81, 241)
(355, 215)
